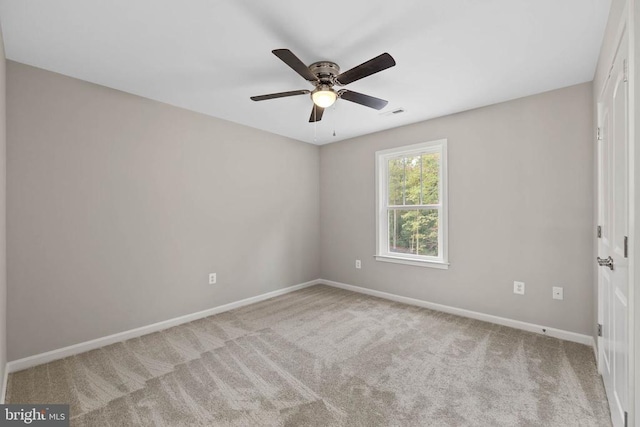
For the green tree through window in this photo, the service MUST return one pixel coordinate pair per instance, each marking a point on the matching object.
(413, 180)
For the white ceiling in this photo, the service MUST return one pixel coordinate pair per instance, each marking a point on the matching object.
(211, 56)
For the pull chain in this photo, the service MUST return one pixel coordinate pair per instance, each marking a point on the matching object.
(315, 126)
(333, 120)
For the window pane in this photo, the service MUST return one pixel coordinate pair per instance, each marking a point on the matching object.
(413, 231)
(396, 181)
(405, 180)
(412, 180)
(430, 178)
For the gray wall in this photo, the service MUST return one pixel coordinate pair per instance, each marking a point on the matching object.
(3, 213)
(520, 208)
(119, 207)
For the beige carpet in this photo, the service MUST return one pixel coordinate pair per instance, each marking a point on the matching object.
(322, 357)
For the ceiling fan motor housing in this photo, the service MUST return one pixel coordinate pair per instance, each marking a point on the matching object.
(325, 71)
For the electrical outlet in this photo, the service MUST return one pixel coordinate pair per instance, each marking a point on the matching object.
(518, 288)
(358, 264)
(558, 292)
(213, 278)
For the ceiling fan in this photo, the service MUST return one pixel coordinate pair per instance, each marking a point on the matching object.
(324, 75)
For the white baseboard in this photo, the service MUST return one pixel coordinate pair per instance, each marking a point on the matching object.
(5, 381)
(61, 353)
(543, 330)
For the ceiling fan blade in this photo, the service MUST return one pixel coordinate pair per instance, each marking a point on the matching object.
(362, 99)
(280, 95)
(292, 61)
(316, 114)
(372, 66)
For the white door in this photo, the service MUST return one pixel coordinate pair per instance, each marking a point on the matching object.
(613, 231)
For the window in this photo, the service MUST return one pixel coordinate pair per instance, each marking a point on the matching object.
(411, 196)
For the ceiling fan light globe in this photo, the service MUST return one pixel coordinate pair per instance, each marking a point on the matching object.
(324, 98)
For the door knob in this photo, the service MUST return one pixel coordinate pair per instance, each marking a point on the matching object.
(605, 262)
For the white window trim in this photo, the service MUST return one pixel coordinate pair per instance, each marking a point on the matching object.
(382, 228)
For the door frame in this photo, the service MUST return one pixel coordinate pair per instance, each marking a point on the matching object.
(630, 22)
(633, 17)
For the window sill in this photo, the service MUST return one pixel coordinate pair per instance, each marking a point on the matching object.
(414, 262)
